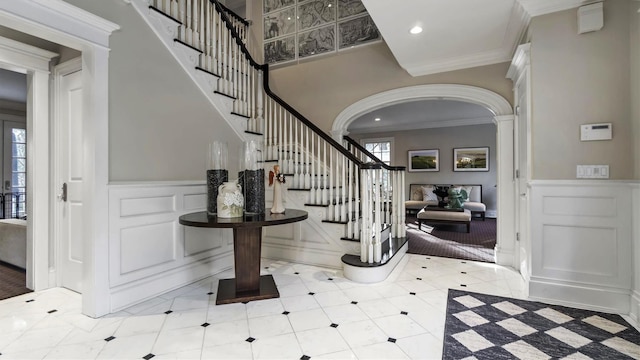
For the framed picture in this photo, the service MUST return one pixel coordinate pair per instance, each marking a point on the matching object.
(317, 41)
(280, 50)
(357, 31)
(279, 23)
(348, 8)
(271, 5)
(315, 13)
(424, 160)
(471, 159)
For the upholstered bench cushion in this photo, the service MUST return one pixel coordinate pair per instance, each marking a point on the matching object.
(418, 204)
(445, 215)
(475, 206)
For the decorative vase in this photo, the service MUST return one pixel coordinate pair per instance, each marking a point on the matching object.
(215, 178)
(277, 207)
(252, 177)
(230, 200)
(216, 173)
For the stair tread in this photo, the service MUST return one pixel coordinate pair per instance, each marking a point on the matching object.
(241, 115)
(187, 45)
(165, 14)
(207, 71)
(224, 94)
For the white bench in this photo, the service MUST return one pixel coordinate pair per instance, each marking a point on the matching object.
(444, 217)
(416, 200)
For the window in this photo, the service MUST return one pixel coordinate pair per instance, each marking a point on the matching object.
(19, 171)
(381, 148)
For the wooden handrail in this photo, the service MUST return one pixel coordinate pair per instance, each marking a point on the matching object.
(236, 16)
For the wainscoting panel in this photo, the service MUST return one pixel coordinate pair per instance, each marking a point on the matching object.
(135, 243)
(581, 243)
(146, 206)
(199, 240)
(149, 251)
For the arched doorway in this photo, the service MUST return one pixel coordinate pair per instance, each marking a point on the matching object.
(502, 117)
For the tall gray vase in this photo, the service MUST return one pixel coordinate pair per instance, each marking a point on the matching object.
(253, 188)
(215, 178)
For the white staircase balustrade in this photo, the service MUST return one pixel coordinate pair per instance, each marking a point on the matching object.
(356, 189)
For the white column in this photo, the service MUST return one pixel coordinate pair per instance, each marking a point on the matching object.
(95, 296)
(506, 237)
(38, 181)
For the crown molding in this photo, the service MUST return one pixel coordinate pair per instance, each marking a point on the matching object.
(459, 62)
(519, 62)
(542, 7)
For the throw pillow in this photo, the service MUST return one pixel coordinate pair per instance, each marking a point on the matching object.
(427, 193)
(468, 189)
(416, 193)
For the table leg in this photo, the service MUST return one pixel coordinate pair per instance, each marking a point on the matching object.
(248, 284)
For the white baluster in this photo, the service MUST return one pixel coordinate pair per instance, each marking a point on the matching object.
(294, 147)
(314, 184)
(307, 158)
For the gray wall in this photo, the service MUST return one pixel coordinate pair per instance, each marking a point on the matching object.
(634, 18)
(446, 139)
(581, 79)
(159, 122)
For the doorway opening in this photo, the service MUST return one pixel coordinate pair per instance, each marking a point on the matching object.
(498, 118)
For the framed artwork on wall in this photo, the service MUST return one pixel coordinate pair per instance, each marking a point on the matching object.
(271, 5)
(280, 50)
(300, 29)
(424, 160)
(279, 23)
(347, 8)
(317, 41)
(316, 13)
(471, 159)
(357, 31)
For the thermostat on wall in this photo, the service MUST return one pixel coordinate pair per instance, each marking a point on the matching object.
(590, 132)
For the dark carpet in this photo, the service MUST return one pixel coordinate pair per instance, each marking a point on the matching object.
(481, 326)
(453, 242)
(12, 281)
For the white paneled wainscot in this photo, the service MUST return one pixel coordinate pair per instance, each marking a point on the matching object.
(582, 243)
(149, 251)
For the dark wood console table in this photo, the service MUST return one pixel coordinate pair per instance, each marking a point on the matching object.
(247, 241)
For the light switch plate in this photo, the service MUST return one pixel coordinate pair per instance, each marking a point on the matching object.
(592, 171)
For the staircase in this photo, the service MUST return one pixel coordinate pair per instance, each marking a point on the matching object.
(355, 201)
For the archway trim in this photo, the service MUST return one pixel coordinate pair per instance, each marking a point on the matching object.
(494, 102)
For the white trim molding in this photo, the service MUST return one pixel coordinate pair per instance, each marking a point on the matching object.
(472, 94)
(542, 7)
(149, 252)
(582, 243)
(62, 23)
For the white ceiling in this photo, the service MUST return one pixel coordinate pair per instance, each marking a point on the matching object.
(421, 114)
(456, 34)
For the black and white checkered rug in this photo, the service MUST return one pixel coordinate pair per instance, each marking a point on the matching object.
(482, 326)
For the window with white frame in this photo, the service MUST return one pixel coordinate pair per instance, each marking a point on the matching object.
(381, 148)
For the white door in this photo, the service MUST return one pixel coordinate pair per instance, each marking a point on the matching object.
(70, 154)
(14, 180)
(522, 196)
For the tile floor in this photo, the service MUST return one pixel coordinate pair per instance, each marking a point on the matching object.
(319, 315)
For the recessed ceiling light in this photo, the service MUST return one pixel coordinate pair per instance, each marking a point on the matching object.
(416, 30)
(377, 119)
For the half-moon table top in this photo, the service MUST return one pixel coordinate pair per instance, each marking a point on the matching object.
(202, 219)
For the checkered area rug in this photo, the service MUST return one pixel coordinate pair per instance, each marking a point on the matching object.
(482, 326)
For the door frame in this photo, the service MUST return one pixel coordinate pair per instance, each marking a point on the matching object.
(519, 71)
(65, 24)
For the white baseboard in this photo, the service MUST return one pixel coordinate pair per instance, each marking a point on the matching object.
(136, 292)
(597, 298)
(374, 274)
